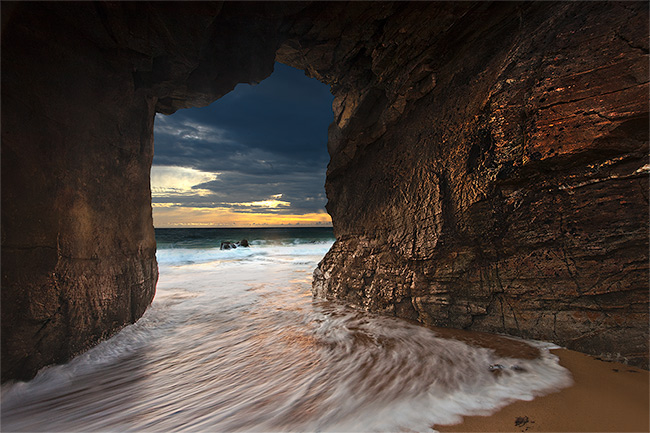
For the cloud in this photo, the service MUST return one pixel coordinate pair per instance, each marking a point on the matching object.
(185, 129)
(258, 149)
(273, 202)
(170, 181)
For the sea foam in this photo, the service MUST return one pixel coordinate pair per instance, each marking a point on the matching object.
(234, 341)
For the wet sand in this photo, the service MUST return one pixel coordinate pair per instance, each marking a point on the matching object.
(502, 345)
(606, 396)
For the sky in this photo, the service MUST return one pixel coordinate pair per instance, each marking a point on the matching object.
(255, 157)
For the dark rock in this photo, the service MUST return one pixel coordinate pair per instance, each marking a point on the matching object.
(498, 368)
(487, 160)
(513, 196)
(227, 245)
(521, 421)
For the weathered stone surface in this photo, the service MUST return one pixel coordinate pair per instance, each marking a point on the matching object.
(487, 160)
(81, 83)
(509, 193)
(78, 247)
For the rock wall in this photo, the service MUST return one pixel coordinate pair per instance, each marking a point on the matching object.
(490, 172)
(78, 247)
(81, 83)
(488, 160)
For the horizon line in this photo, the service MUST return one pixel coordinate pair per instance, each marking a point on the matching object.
(248, 227)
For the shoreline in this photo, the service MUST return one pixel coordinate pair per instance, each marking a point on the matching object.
(605, 396)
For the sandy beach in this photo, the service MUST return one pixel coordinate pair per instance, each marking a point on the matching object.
(605, 396)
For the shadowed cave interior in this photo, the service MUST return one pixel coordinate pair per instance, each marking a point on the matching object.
(488, 160)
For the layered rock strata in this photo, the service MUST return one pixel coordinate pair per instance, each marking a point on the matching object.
(491, 174)
(488, 160)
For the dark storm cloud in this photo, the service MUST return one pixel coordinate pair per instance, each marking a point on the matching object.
(304, 190)
(263, 140)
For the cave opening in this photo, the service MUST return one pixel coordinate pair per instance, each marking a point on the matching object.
(245, 173)
(242, 180)
(81, 83)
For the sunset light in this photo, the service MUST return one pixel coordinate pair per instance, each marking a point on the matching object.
(170, 216)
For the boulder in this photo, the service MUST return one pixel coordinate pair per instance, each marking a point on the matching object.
(227, 245)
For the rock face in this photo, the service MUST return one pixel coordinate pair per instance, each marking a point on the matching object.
(81, 83)
(489, 161)
(491, 173)
(78, 247)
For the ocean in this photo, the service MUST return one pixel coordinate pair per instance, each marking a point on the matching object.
(234, 341)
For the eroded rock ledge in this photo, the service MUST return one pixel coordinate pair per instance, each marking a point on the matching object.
(488, 160)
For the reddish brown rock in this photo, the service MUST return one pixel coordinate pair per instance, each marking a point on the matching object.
(487, 160)
(513, 196)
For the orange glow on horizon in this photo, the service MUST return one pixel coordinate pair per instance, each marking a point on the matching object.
(169, 217)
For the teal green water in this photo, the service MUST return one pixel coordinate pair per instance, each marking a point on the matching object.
(212, 237)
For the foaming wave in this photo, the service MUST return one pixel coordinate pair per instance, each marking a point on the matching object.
(187, 256)
(392, 375)
(237, 343)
